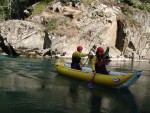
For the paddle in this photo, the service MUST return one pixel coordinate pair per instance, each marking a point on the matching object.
(91, 82)
(85, 62)
(90, 56)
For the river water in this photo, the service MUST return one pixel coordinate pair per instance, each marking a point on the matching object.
(30, 85)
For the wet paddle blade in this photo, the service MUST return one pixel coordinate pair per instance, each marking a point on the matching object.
(90, 84)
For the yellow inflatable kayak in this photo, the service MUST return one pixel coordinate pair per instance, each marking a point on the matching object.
(114, 79)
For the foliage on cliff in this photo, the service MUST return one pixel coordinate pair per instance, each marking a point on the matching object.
(13, 9)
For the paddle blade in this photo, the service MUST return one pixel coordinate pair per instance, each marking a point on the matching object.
(90, 84)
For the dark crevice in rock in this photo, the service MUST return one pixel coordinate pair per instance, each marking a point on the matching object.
(47, 41)
(131, 46)
(7, 48)
(120, 40)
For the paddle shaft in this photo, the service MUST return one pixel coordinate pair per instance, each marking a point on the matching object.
(87, 58)
(93, 76)
(90, 82)
(85, 62)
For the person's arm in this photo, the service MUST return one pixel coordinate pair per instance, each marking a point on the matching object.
(106, 52)
(93, 61)
(78, 54)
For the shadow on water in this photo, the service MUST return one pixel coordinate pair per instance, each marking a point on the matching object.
(112, 101)
(68, 98)
(106, 100)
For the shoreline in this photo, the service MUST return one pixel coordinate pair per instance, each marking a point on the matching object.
(112, 59)
(68, 57)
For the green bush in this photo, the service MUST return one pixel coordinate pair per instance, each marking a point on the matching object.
(52, 25)
(87, 1)
(145, 1)
(127, 11)
(143, 5)
(38, 7)
(148, 9)
(129, 2)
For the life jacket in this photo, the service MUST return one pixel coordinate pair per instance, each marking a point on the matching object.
(100, 62)
(76, 60)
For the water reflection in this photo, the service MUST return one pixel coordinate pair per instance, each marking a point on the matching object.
(73, 90)
(96, 101)
(57, 101)
(112, 101)
(34, 86)
(104, 100)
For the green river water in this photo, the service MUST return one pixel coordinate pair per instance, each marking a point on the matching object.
(30, 85)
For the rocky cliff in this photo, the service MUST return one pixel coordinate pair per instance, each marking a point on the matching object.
(59, 28)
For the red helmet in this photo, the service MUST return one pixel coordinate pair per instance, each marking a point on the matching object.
(79, 48)
(100, 50)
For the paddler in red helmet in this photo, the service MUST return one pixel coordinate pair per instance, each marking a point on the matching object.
(98, 62)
